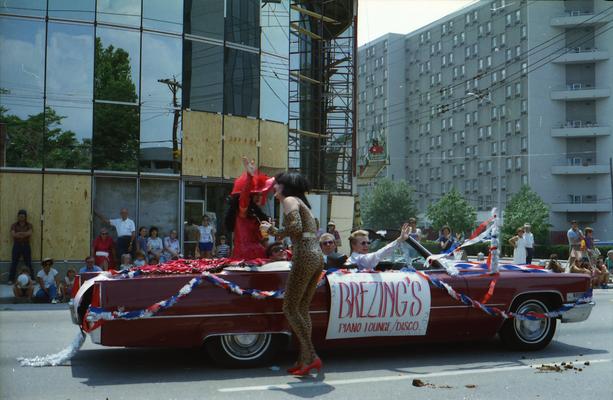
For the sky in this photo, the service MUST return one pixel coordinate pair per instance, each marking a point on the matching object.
(378, 17)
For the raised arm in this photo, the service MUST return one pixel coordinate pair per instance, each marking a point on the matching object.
(102, 217)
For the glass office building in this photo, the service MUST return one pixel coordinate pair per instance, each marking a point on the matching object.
(144, 104)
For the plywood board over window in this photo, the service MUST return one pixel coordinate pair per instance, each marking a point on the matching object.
(342, 215)
(67, 214)
(240, 139)
(201, 149)
(20, 191)
(273, 145)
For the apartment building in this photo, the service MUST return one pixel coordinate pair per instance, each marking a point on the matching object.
(503, 94)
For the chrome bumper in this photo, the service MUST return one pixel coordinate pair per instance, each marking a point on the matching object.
(73, 313)
(578, 313)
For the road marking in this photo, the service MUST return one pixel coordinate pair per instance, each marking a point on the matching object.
(372, 379)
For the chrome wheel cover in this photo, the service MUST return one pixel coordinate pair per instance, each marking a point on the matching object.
(532, 331)
(246, 346)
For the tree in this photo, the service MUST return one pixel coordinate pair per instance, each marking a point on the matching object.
(388, 205)
(527, 207)
(454, 211)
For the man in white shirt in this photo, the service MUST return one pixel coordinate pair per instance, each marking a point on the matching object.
(126, 231)
(359, 243)
(529, 239)
(48, 281)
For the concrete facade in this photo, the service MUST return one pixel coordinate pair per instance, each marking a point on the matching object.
(499, 95)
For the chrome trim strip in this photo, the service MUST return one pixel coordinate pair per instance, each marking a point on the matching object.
(231, 315)
(465, 306)
(289, 334)
(535, 291)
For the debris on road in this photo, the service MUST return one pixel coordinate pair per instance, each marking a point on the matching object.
(471, 386)
(420, 383)
(564, 366)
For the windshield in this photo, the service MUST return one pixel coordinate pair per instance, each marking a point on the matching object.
(403, 255)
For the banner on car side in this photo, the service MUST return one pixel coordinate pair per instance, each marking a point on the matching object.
(378, 304)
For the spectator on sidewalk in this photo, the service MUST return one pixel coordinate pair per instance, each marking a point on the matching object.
(415, 231)
(602, 272)
(21, 231)
(608, 262)
(332, 229)
(223, 249)
(206, 237)
(191, 239)
(554, 265)
(172, 247)
(68, 284)
(575, 236)
(140, 259)
(90, 265)
(519, 247)
(141, 240)
(590, 250)
(529, 239)
(155, 246)
(126, 262)
(445, 239)
(24, 285)
(48, 281)
(126, 231)
(103, 249)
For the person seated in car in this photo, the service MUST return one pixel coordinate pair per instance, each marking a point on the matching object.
(360, 257)
(276, 252)
(332, 259)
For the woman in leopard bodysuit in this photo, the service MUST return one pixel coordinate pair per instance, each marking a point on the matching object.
(307, 264)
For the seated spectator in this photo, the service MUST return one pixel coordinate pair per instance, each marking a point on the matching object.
(171, 247)
(68, 284)
(90, 266)
(360, 257)
(222, 250)
(554, 265)
(140, 259)
(276, 252)
(126, 262)
(49, 282)
(154, 245)
(154, 260)
(103, 249)
(581, 266)
(608, 262)
(602, 272)
(24, 285)
(141, 240)
(332, 259)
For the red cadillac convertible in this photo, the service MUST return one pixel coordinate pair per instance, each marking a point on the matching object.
(387, 307)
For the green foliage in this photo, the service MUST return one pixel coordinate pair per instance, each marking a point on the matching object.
(452, 210)
(388, 205)
(61, 148)
(527, 206)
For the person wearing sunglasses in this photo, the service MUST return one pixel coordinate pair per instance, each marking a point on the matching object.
(360, 257)
(332, 259)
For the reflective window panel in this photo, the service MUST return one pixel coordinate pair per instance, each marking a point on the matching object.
(35, 8)
(68, 135)
(115, 144)
(203, 76)
(243, 22)
(241, 82)
(117, 64)
(274, 20)
(159, 205)
(274, 88)
(22, 78)
(110, 196)
(121, 12)
(205, 18)
(163, 15)
(83, 10)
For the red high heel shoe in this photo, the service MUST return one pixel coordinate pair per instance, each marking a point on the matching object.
(316, 364)
(295, 368)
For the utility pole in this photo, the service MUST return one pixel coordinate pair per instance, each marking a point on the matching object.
(174, 87)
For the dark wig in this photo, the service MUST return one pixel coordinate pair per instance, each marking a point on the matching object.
(253, 211)
(294, 184)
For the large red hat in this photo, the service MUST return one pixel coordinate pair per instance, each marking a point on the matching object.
(260, 183)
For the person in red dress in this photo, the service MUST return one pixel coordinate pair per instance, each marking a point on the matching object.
(244, 215)
(103, 249)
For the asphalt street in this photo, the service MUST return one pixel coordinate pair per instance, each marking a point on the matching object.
(454, 371)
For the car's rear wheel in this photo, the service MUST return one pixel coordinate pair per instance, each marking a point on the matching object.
(243, 350)
(528, 334)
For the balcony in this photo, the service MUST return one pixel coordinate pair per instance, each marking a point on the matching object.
(580, 55)
(588, 169)
(579, 129)
(582, 207)
(577, 17)
(579, 91)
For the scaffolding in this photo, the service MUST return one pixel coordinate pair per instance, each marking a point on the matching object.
(321, 94)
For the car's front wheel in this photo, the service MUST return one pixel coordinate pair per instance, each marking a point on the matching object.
(243, 350)
(528, 334)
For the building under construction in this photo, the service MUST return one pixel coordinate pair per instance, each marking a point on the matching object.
(321, 94)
